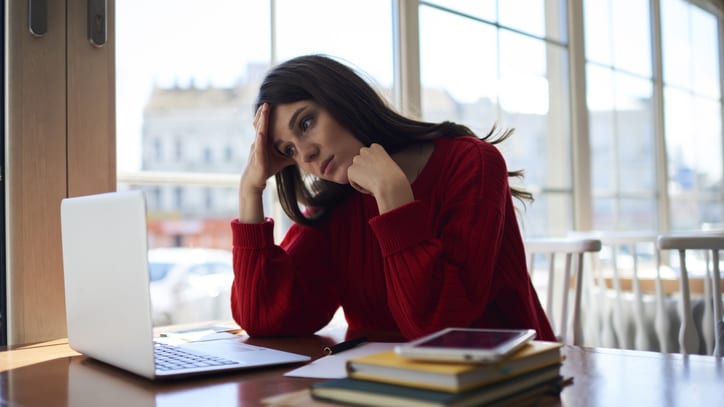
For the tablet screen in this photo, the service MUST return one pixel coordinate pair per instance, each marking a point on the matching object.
(471, 339)
(467, 344)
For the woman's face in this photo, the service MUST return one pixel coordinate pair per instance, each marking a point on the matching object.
(317, 143)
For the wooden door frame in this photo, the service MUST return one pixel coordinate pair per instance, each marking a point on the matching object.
(60, 141)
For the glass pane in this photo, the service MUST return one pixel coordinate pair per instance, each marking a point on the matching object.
(706, 130)
(685, 211)
(604, 214)
(623, 161)
(631, 36)
(680, 159)
(523, 65)
(532, 21)
(600, 93)
(597, 26)
(550, 215)
(462, 92)
(617, 33)
(693, 118)
(676, 43)
(693, 141)
(637, 215)
(694, 148)
(705, 53)
(341, 29)
(484, 9)
(636, 158)
(690, 48)
(678, 115)
(534, 99)
(624, 214)
(712, 213)
(181, 243)
(183, 60)
(601, 120)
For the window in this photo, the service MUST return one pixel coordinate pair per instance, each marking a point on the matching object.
(693, 113)
(619, 84)
(513, 74)
(654, 129)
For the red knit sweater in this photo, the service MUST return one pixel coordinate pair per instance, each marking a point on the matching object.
(453, 257)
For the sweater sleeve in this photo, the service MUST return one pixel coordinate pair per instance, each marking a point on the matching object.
(281, 290)
(439, 271)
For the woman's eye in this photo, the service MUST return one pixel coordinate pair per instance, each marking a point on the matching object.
(289, 151)
(305, 124)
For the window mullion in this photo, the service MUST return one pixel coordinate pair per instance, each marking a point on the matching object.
(406, 49)
(582, 187)
(662, 175)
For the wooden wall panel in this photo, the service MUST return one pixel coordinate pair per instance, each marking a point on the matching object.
(91, 106)
(60, 142)
(36, 174)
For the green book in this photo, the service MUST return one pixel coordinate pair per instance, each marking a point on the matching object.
(368, 393)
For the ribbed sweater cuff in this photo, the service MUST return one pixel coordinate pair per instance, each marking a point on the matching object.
(401, 227)
(253, 235)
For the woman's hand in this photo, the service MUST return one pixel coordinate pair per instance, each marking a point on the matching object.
(374, 172)
(264, 160)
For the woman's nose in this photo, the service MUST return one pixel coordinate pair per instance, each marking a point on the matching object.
(309, 152)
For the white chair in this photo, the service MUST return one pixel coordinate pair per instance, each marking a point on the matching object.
(711, 243)
(571, 248)
(622, 267)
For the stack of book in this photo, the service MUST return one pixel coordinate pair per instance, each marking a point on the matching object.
(387, 379)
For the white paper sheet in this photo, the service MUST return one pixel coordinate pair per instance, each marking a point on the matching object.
(333, 366)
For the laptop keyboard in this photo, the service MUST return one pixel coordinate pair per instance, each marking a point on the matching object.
(169, 357)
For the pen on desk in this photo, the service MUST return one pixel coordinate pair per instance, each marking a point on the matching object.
(343, 346)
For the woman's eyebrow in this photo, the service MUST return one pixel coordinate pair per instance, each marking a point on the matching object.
(293, 119)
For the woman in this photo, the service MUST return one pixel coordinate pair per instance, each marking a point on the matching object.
(409, 226)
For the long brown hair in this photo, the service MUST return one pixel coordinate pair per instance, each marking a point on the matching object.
(357, 107)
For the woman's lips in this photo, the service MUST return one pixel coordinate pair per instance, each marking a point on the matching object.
(325, 165)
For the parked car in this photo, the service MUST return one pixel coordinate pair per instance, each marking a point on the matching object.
(190, 285)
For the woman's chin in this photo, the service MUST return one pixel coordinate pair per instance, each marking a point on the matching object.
(342, 180)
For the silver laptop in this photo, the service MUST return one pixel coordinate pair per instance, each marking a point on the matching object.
(107, 295)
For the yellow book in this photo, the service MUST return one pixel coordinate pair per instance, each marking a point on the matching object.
(388, 367)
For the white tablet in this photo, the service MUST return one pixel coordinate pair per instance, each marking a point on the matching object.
(466, 344)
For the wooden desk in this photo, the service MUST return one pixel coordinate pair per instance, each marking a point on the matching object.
(53, 375)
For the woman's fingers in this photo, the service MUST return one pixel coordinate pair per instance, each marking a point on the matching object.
(262, 126)
(358, 187)
(260, 123)
(256, 116)
(268, 160)
(374, 171)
